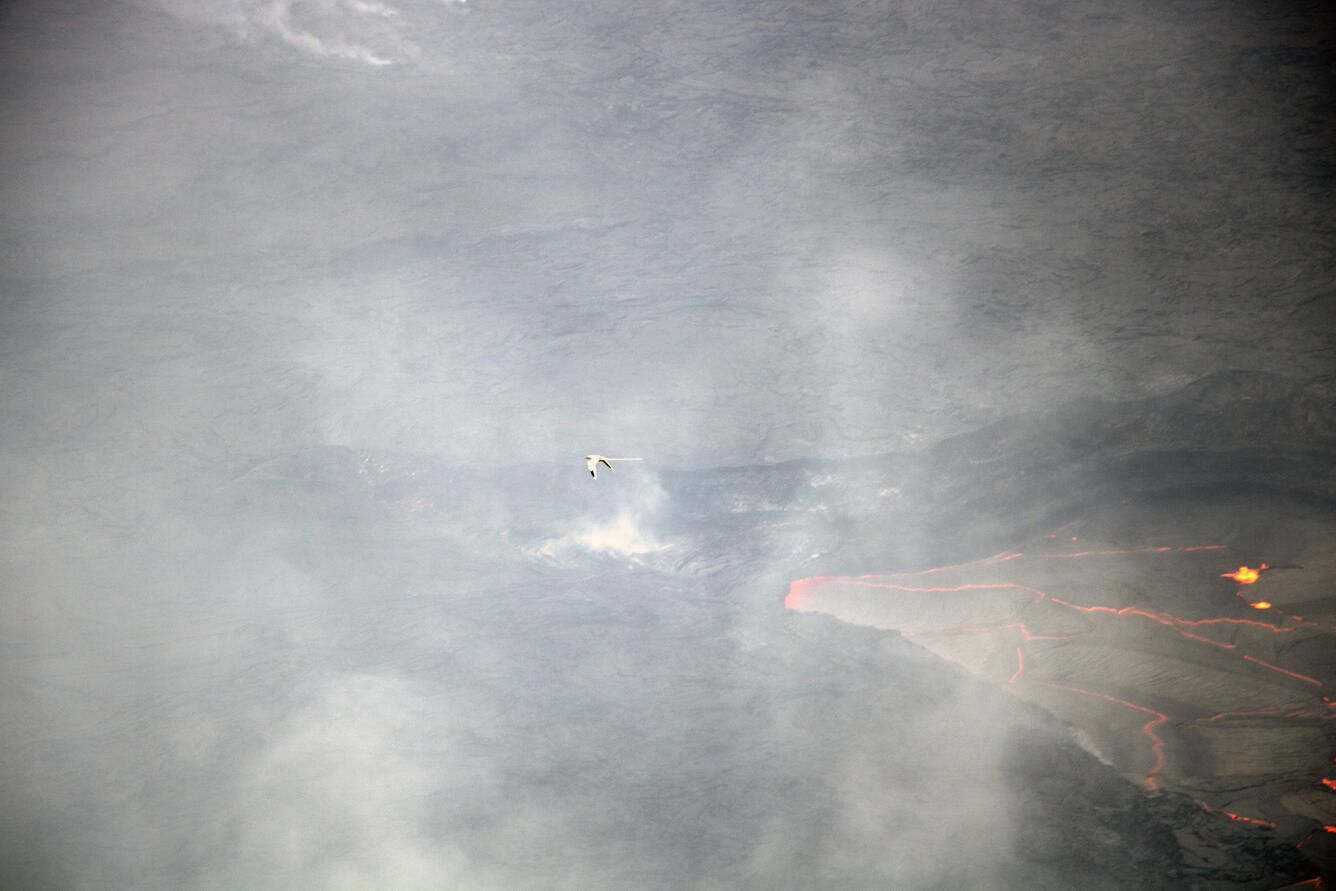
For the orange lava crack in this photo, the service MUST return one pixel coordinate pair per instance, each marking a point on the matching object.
(1244, 575)
(1156, 744)
(1172, 620)
(1316, 884)
(1020, 666)
(1242, 819)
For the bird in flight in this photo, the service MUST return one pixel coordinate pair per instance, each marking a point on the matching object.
(593, 461)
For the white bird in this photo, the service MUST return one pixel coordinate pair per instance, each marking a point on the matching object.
(593, 461)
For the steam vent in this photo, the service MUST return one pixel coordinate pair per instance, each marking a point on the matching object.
(1169, 594)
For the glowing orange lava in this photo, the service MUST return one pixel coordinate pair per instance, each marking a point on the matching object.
(1243, 575)
(1251, 820)
(1042, 606)
(1294, 674)
(1020, 666)
(1233, 816)
(1175, 622)
(1158, 718)
(798, 587)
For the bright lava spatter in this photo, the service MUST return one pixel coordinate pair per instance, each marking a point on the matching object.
(1243, 575)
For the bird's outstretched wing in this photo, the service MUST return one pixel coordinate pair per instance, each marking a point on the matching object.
(592, 462)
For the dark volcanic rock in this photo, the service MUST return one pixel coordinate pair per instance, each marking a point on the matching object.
(1119, 834)
(1230, 430)
(1073, 819)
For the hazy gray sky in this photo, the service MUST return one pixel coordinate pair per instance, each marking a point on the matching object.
(735, 230)
(238, 237)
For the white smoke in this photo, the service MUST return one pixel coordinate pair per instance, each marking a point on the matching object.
(626, 530)
(337, 17)
(622, 536)
(341, 795)
(370, 32)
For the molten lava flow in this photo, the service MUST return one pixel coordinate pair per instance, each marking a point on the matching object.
(1158, 718)
(799, 587)
(1251, 820)
(1294, 674)
(1001, 600)
(1020, 666)
(1175, 622)
(1233, 816)
(1243, 575)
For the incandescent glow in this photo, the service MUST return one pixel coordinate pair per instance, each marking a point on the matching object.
(996, 601)
(1233, 816)
(1294, 674)
(1020, 660)
(799, 586)
(1244, 575)
(1157, 718)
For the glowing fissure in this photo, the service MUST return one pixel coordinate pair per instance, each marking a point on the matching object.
(973, 586)
(1020, 667)
(1156, 744)
(1242, 819)
(1000, 557)
(1315, 713)
(1171, 620)
(1244, 575)
(1207, 640)
(1306, 883)
(799, 587)
(1308, 713)
(1294, 674)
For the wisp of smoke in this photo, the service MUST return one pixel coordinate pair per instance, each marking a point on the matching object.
(370, 32)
